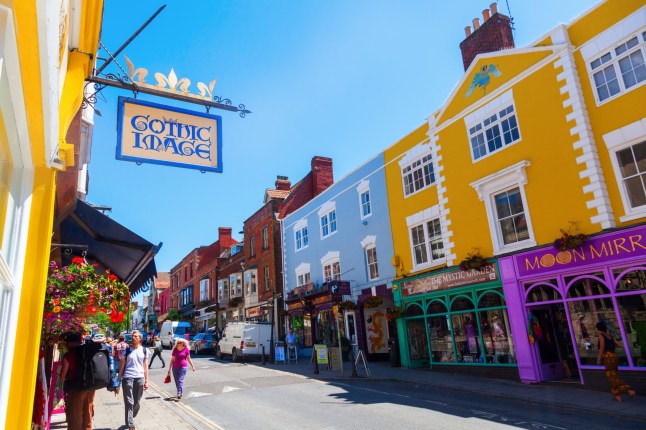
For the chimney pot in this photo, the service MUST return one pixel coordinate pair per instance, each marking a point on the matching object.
(467, 30)
(476, 23)
(494, 8)
(486, 15)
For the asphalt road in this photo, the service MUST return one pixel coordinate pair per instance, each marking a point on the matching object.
(245, 396)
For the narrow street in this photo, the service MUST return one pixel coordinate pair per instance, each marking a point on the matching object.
(243, 396)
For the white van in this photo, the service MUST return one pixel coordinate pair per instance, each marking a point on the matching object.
(243, 339)
(171, 330)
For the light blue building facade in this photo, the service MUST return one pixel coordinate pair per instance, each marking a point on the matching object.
(337, 252)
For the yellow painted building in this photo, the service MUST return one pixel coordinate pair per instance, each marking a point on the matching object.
(531, 143)
(46, 52)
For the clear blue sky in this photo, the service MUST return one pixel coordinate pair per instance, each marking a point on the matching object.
(342, 79)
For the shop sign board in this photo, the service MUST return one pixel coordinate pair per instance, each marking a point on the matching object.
(320, 351)
(445, 280)
(279, 351)
(153, 133)
(253, 312)
(603, 249)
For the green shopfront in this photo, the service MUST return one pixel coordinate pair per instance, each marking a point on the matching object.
(454, 318)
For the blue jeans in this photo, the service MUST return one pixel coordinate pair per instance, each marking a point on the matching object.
(178, 374)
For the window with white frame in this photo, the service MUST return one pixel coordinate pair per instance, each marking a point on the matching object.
(619, 68)
(494, 132)
(327, 215)
(365, 207)
(506, 204)
(627, 147)
(302, 274)
(371, 260)
(300, 235)
(265, 238)
(204, 289)
(252, 246)
(331, 265)
(223, 289)
(251, 286)
(418, 175)
(426, 239)
(266, 278)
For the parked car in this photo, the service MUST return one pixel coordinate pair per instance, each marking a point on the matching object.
(202, 342)
(244, 339)
(99, 337)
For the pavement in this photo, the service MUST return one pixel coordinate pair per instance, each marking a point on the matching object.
(160, 412)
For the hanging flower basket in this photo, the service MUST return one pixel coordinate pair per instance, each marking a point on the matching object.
(347, 305)
(569, 241)
(474, 261)
(76, 292)
(373, 302)
(393, 313)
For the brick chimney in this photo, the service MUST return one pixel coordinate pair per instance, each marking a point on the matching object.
(493, 35)
(283, 183)
(322, 176)
(224, 234)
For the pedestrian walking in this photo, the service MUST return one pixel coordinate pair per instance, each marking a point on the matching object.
(119, 348)
(133, 376)
(607, 346)
(179, 361)
(79, 403)
(157, 352)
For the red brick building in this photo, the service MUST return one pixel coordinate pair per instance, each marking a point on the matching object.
(495, 34)
(230, 291)
(186, 277)
(263, 276)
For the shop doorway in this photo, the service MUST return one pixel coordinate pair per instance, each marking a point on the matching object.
(553, 342)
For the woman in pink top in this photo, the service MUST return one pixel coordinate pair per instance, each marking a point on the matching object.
(179, 361)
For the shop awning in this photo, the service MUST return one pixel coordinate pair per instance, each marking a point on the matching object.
(124, 253)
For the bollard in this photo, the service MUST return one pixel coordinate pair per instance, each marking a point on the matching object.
(263, 354)
(354, 364)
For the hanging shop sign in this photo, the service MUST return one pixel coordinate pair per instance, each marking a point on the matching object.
(153, 133)
(629, 243)
(253, 312)
(445, 280)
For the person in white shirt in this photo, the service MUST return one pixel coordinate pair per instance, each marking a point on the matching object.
(133, 374)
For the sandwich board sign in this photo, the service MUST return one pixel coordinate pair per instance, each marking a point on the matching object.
(153, 133)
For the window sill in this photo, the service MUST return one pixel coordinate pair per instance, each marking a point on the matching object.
(633, 216)
(301, 248)
(424, 266)
(623, 91)
(516, 247)
(331, 234)
(421, 189)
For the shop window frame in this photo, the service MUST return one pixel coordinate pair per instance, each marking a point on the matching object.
(448, 297)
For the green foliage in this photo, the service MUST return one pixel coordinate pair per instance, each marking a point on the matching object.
(174, 315)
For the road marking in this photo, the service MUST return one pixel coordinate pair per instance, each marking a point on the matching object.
(192, 394)
(532, 424)
(391, 394)
(228, 389)
(189, 410)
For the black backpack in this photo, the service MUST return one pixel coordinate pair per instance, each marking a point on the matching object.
(93, 370)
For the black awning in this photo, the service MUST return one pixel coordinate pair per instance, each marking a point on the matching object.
(124, 253)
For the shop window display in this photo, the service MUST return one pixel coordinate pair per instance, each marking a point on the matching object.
(413, 310)
(498, 345)
(417, 341)
(465, 332)
(634, 280)
(441, 342)
(633, 314)
(592, 285)
(542, 293)
(585, 315)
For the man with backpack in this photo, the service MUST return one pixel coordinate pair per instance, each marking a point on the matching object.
(79, 402)
(133, 375)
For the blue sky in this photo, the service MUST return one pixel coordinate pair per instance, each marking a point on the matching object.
(342, 79)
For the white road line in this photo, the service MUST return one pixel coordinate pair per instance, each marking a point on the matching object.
(188, 409)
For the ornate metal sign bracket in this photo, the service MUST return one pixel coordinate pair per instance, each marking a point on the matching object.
(167, 86)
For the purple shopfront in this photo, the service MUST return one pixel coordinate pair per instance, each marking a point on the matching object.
(555, 298)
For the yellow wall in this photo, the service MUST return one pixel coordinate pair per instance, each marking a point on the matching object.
(23, 376)
(624, 109)
(553, 190)
(509, 66)
(399, 207)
